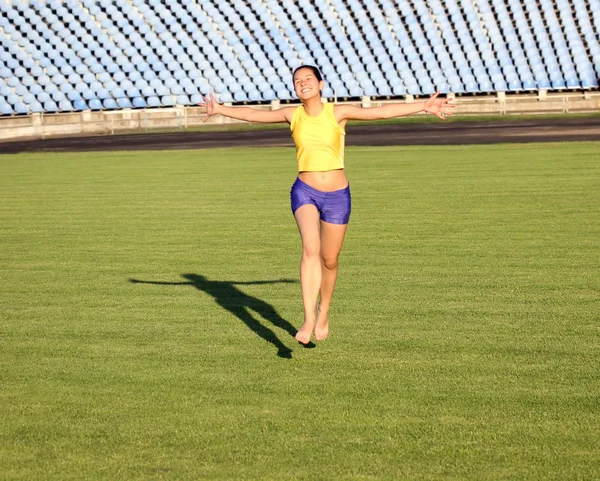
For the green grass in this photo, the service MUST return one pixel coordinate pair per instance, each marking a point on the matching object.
(465, 329)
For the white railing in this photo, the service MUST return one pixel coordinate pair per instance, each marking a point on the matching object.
(39, 126)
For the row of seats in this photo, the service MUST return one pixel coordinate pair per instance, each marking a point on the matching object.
(110, 54)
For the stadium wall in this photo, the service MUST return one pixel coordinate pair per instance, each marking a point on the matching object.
(41, 126)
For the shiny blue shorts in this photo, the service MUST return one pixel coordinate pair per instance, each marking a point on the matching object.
(334, 207)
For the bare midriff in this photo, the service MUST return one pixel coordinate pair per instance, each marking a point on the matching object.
(326, 181)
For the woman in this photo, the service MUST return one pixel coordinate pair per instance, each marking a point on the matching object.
(320, 196)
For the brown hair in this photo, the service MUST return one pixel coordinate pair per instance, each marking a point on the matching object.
(314, 69)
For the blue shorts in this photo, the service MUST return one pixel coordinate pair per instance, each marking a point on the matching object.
(334, 207)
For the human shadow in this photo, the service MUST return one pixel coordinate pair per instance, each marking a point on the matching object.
(229, 297)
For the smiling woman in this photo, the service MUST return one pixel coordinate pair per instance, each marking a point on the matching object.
(320, 196)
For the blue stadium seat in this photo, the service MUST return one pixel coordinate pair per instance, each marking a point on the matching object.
(95, 104)
(153, 101)
(246, 51)
(19, 107)
(35, 107)
(138, 102)
(65, 105)
(124, 102)
(110, 104)
(5, 108)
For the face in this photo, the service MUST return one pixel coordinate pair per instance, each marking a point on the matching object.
(306, 84)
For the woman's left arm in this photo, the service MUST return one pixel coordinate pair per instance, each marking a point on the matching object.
(434, 105)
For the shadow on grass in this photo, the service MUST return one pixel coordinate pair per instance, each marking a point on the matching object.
(229, 297)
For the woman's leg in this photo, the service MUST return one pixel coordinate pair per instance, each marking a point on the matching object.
(332, 239)
(307, 217)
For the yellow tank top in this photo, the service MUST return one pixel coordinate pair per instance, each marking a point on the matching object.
(319, 140)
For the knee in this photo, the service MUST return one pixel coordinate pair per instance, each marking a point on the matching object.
(310, 249)
(329, 263)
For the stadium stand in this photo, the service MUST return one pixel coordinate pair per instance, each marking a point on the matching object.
(70, 56)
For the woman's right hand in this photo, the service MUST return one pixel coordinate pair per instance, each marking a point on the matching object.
(210, 105)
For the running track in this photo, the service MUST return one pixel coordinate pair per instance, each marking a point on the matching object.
(458, 133)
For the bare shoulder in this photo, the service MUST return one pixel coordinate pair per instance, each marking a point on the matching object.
(346, 112)
(288, 112)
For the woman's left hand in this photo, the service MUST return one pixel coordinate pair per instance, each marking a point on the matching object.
(439, 107)
(210, 105)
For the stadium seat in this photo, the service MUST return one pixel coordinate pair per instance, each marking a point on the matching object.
(124, 102)
(153, 101)
(138, 102)
(6, 108)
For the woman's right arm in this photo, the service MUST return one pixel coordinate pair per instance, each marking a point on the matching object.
(249, 114)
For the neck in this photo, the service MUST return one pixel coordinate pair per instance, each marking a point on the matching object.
(313, 106)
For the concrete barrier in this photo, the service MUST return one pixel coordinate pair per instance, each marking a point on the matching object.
(41, 126)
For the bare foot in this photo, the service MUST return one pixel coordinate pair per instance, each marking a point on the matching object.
(322, 325)
(304, 334)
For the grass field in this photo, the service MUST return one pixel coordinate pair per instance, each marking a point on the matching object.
(148, 303)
